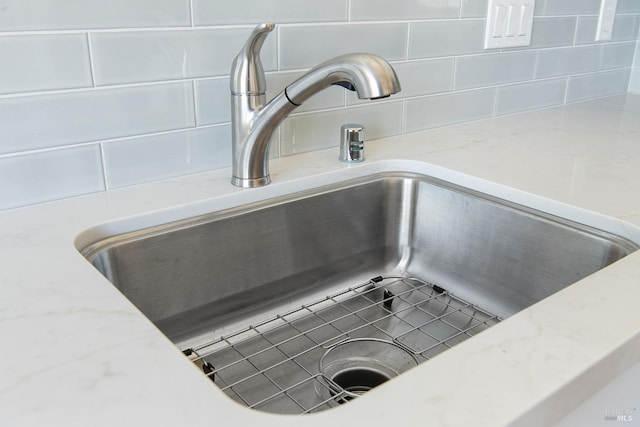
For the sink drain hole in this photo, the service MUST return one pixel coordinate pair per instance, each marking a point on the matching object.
(359, 380)
(355, 366)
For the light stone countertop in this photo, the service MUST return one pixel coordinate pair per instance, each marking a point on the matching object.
(77, 353)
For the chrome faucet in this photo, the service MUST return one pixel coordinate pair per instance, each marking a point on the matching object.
(253, 120)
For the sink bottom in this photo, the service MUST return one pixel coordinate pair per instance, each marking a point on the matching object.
(280, 365)
(202, 277)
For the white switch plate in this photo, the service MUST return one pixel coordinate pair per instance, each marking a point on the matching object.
(509, 23)
(605, 20)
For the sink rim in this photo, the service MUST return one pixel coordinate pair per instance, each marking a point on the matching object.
(99, 252)
(103, 236)
(536, 202)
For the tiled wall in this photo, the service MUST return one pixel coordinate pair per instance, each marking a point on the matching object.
(634, 80)
(98, 94)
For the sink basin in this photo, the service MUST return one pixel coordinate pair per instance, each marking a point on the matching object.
(258, 295)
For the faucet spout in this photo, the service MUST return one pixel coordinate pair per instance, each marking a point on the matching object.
(253, 121)
(369, 75)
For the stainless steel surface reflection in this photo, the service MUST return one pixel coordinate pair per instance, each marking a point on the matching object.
(206, 276)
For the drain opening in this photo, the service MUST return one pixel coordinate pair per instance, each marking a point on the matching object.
(355, 366)
(357, 381)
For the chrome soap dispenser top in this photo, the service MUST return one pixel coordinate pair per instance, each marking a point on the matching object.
(351, 143)
(253, 120)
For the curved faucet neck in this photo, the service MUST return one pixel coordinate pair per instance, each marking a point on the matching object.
(252, 126)
(253, 121)
(369, 75)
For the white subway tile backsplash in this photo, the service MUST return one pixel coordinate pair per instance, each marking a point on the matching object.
(553, 32)
(38, 177)
(150, 158)
(149, 79)
(586, 32)
(528, 96)
(628, 6)
(584, 59)
(568, 60)
(597, 85)
(445, 38)
(634, 78)
(625, 28)
(207, 12)
(137, 56)
(80, 14)
(494, 69)
(442, 110)
(42, 121)
(314, 131)
(307, 46)
(567, 7)
(474, 8)
(370, 10)
(634, 81)
(37, 63)
(212, 101)
(617, 55)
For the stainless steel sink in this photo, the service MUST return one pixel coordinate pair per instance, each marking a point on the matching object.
(260, 294)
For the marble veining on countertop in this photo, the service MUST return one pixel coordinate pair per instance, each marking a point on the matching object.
(77, 353)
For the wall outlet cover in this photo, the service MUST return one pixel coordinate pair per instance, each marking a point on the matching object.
(606, 19)
(509, 23)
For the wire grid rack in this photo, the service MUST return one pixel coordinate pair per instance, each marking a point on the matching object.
(273, 366)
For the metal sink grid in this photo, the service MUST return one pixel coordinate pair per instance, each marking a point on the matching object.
(273, 366)
(197, 278)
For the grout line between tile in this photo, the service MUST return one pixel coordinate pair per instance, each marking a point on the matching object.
(103, 159)
(91, 60)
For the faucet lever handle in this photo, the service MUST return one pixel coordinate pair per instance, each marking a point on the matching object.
(247, 74)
